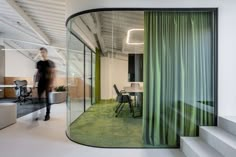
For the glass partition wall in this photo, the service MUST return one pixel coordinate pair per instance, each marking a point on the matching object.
(79, 77)
(88, 77)
(151, 79)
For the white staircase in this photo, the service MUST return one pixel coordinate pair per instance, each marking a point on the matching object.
(213, 141)
(228, 124)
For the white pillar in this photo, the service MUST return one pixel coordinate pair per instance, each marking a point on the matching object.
(2, 68)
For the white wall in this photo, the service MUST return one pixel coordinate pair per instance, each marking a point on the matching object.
(17, 65)
(105, 78)
(2, 67)
(113, 71)
(227, 58)
(227, 35)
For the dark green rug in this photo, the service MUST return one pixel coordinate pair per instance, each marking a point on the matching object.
(99, 127)
(25, 108)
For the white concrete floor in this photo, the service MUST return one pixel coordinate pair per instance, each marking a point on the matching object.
(29, 138)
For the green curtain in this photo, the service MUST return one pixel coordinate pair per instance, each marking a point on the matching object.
(97, 77)
(179, 75)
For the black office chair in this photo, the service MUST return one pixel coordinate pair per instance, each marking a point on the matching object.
(22, 92)
(122, 99)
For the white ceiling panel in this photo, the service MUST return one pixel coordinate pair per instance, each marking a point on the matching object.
(49, 18)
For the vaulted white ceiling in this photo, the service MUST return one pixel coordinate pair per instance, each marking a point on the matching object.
(114, 27)
(109, 30)
(27, 25)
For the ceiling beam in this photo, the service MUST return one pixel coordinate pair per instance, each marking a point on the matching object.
(36, 56)
(44, 5)
(51, 2)
(61, 56)
(19, 28)
(92, 22)
(29, 21)
(99, 33)
(82, 31)
(123, 44)
(18, 48)
(123, 52)
(117, 51)
(13, 45)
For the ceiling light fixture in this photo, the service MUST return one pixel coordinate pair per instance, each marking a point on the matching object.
(128, 36)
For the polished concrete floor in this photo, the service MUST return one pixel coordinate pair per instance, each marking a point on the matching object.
(29, 138)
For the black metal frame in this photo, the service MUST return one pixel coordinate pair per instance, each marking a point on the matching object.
(214, 10)
(138, 9)
(84, 77)
(216, 41)
(84, 53)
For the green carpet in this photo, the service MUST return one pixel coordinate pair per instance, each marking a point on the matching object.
(99, 127)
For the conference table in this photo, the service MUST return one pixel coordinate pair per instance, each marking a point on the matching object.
(137, 92)
(133, 89)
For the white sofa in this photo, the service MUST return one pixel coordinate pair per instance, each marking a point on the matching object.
(8, 113)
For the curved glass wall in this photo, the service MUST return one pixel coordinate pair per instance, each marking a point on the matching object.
(151, 79)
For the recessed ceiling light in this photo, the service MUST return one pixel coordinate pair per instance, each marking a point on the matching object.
(128, 36)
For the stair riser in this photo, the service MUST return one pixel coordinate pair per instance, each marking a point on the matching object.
(227, 125)
(188, 151)
(216, 143)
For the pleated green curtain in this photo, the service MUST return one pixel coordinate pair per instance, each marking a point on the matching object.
(179, 75)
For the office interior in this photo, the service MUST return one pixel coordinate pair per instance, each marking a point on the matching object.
(130, 96)
(18, 70)
(173, 107)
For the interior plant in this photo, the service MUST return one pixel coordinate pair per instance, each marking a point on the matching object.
(60, 89)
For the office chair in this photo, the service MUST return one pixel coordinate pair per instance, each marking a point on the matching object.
(122, 99)
(22, 92)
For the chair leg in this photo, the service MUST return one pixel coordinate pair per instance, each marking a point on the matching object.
(122, 106)
(135, 100)
(131, 109)
(117, 108)
(20, 100)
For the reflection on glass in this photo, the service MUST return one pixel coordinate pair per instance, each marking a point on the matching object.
(93, 77)
(88, 77)
(75, 79)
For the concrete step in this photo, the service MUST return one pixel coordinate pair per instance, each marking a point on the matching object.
(219, 139)
(228, 123)
(196, 147)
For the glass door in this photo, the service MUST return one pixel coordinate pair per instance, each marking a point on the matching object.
(75, 80)
(88, 77)
(93, 77)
